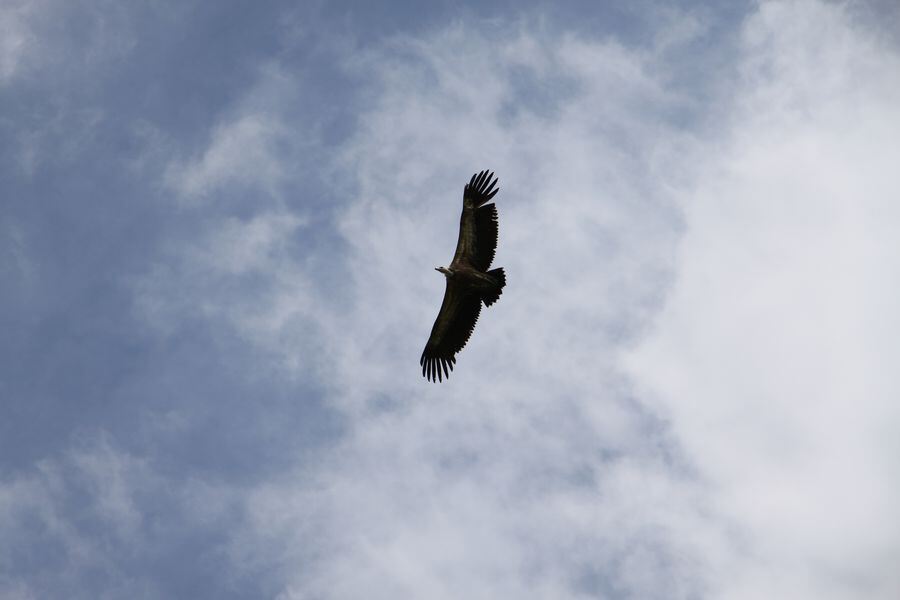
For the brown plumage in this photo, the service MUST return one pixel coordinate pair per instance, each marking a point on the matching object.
(469, 282)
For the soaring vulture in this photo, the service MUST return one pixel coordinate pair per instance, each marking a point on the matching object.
(469, 282)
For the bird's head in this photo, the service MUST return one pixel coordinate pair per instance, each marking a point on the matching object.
(445, 271)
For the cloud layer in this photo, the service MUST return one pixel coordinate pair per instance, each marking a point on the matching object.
(685, 391)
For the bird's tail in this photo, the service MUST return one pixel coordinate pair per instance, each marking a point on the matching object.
(500, 278)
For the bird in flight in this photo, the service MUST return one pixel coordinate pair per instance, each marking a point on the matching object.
(469, 282)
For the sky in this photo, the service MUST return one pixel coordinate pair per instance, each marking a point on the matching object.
(218, 228)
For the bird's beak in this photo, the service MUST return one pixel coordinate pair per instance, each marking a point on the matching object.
(437, 268)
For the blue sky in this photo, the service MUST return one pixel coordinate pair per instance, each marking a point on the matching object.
(218, 228)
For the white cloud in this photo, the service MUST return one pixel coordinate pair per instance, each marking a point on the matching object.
(256, 147)
(774, 358)
(243, 151)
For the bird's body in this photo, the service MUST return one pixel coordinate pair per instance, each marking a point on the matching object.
(469, 280)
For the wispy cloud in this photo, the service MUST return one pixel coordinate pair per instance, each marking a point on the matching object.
(258, 146)
(34, 38)
(243, 151)
(37, 516)
(14, 37)
(238, 274)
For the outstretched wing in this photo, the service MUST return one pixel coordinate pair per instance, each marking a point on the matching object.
(452, 328)
(478, 223)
